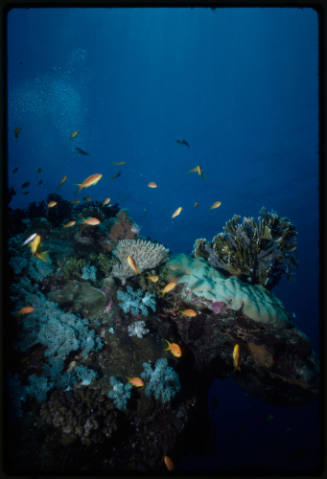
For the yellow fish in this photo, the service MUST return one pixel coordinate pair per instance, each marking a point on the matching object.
(34, 245)
(169, 463)
(177, 212)
(215, 205)
(89, 181)
(197, 170)
(74, 134)
(106, 201)
(189, 313)
(174, 348)
(91, 221)
(119, 163)
(169, 287)
(153, 278)
(152, 184)
(87, 198)
(196, 204)
(42, 256)
(63, 179)
(236, 357)
(132, 264)
(51, 204)
(69, 224)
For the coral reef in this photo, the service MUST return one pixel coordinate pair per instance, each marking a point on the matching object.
(122, 228)
(260, 253)
(145, 254)
(163, 381)
(138, 329)
(120, 392)
(136, 302)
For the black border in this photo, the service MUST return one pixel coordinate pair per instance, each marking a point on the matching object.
(320, 7)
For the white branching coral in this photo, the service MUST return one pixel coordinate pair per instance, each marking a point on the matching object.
(145, 254)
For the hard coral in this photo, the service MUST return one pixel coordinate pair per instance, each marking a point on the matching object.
(123, 228)
(145, 253)
(259, 253)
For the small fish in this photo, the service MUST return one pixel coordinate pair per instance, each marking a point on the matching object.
(174, 348)
(15, 170)
(106, 201)
(115, 175)
(17, 131)
(29, 239)
(26, 193)
(132, 264)
(236, 357)
(189, 313)
(177, 212)
(136, 382)
(42, 256)
(69, 224)
(91, 221)
(119, 163)
(26, 184)
(75, 202)
(87, 198)
(71, 366)
(38, 170)
(63, 179)
(25, 310)
(169, 463)
(215, 205)
(35, 243)
(89, 181)
(81, 152)
(51, 204)
(152, 184)
(153, 278)
(40, 182)
(183, 142)
(197, 170)
(196, 204)
(169, 287)
(74, 134)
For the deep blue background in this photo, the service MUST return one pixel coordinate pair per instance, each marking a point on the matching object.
(241, 85)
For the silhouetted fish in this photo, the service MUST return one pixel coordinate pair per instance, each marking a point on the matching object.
(183, 142)
(115, 175)
(15, 170)
(26, 184)
(80, 151)
(17, 131)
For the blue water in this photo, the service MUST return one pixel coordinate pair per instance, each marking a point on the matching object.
(241, 86)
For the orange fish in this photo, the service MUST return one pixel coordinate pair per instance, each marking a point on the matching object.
(89, 181)
(189, 313)
(136, 382)
(215, 205)
(119, 163)
(174, 348)
(74, 134)
(63, 179)
(132, 264)
(51, 204)
(153, 278)
(106, 201)
(25, 310)
(152, 184)
(177, 212)
(169, 287)
(197, 170)
(87, 198)
(196, 204)
(69, 224)
(169, 463)
(91, 221)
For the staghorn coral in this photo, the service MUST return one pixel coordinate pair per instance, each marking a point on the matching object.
(146, 255)
(259, 253)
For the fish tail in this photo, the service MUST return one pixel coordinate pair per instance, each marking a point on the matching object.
(79, 185)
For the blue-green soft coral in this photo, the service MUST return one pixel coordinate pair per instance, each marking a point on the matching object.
(134, 302)
(120, 392)
(163, 380)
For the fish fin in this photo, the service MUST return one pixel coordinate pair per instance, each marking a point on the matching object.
(79, 185)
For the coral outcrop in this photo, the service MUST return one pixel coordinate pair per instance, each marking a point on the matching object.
(259, 253)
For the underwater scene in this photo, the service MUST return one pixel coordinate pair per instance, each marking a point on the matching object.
(162, 285)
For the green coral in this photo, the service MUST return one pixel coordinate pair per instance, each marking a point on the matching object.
(258, 252)
(73, 267)
(105, 263)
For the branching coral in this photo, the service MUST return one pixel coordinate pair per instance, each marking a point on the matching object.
(145, 254)
(259, 253)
